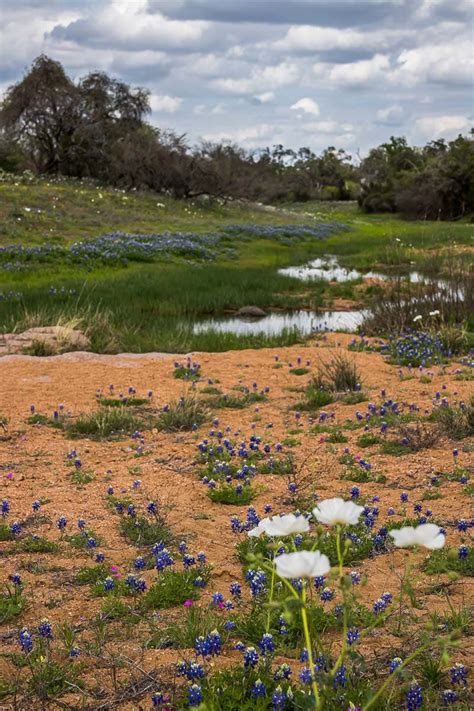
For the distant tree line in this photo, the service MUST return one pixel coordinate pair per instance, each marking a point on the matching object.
(97, 128)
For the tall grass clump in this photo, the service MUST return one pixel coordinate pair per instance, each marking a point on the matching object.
(106, 422)
(456, 421)
(182, 415)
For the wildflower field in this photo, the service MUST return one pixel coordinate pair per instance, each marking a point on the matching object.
(283, 528)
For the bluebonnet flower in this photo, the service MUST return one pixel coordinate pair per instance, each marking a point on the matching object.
(229, 625)
(199, 582)
(201, 557)
(99, 557)
(217, 598)
(414, 698)
(235, 590)
(266, 644)
(257, 580)
(394, 664)
(449, 696)
(250, 657)
(26, 640)
(139, 563)
(340, 678)
(15, 528)
(152, 508)
(267, 508)
(278, 699)
(283, 671)
(109, 583)
(463, 552)
(462, 525)
(191, 670)
(304, 656)
(355, 577)
(194, 695)
(404, 497)
(306, 676)
(188, 560)
(16, 579)
(327, 594)
(62, 523)
(36, 505)
(458, 674)
(355, 492)
(74, 651)
(352, 635)
(163, 559)
(44, 629)
(258, 689)
(319, 581)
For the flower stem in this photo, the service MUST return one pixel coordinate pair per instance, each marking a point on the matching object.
(392, 676)
(307, 637)
(340, 559)
(270, 600)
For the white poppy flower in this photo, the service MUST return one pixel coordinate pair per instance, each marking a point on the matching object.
(418, 318)
(434, 313)
(427, 534)
(303, 564)
(337, 511)
(278, 526)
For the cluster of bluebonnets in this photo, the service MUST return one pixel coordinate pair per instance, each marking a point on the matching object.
(122, 247)
(416, 348)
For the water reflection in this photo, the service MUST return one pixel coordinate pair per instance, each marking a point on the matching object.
(305, 322)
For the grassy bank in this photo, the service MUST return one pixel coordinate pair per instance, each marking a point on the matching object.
(151, 300)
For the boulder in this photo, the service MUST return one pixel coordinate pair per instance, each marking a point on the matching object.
(251, 311)
(50, 340)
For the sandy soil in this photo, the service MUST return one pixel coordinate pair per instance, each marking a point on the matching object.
(33, 465)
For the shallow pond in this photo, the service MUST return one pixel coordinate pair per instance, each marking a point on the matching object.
(305, 322)
(329, 269)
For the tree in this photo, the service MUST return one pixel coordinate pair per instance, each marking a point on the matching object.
(39, 113)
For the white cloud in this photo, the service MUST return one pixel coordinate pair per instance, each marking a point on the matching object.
(307, 105)
(360, 73)
(260, 79)
(250, 135)
(266, 97)
(448, 63)
(313, 39)
(431, 127)
(391, 116)
(124, 24)
(165, 104)
(328, 127)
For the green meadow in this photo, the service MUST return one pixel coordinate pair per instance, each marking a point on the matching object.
(151, 305)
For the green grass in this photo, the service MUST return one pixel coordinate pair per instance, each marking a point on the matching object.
(173, 587)
(36, 544)
(226, 494)
(234, 402)
(12, 603)
(447, 560)
(142, 531)
(89, 576)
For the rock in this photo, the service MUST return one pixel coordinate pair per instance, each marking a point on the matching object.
(252, 311)
(44, 340)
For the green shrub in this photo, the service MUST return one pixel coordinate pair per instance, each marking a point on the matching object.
(455, 421)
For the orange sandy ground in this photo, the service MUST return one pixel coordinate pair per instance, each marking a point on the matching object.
(36, 456)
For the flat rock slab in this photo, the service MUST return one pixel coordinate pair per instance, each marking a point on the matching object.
(56, 339)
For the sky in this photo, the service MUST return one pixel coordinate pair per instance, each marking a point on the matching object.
(347, 73)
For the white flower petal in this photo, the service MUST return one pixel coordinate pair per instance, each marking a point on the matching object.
(302, 564)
